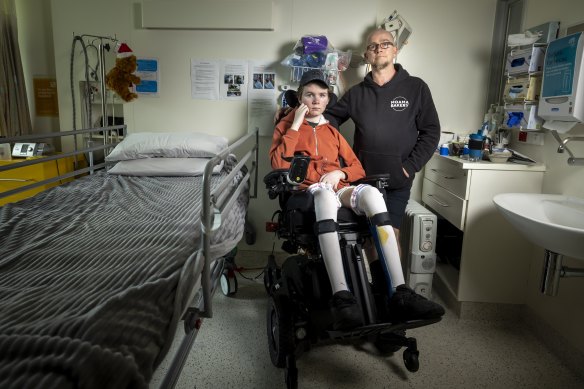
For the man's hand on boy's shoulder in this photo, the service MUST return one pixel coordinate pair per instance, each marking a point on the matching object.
(281, 113)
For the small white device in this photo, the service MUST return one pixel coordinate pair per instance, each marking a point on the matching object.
(30, 149)
(400, 29)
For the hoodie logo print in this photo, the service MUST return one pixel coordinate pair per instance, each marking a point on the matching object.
(399, 103)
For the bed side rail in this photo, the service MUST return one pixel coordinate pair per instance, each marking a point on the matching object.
(211, 210)
(110, 140)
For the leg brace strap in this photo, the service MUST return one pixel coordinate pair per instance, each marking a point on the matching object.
(324, 226)
(380, 219)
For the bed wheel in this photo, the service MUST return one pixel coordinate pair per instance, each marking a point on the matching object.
(228, 283)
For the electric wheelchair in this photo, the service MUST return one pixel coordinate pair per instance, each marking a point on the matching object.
(299, 290)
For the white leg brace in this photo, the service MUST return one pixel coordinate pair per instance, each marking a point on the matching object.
(326, 206)
(367, 200)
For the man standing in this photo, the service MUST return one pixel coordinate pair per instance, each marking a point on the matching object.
(396, 124)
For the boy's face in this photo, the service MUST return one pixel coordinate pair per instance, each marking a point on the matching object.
(316, 98)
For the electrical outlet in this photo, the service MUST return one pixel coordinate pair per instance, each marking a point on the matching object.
(531, 138)
(535, 138)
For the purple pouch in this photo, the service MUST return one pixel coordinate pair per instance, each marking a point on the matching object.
(314, 44)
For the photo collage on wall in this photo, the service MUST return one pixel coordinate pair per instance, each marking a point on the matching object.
(234, 84)
(264, 80)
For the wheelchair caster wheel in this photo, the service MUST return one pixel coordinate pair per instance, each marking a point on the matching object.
(411, 359)
(228, 283)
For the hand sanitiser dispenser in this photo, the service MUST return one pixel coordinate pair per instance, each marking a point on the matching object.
(561, 103)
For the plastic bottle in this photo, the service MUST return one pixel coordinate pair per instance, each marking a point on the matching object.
(444, 150)
(465, 152)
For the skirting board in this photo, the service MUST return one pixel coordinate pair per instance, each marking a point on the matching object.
(208, 15)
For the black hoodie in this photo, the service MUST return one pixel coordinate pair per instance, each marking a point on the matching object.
(396, 125)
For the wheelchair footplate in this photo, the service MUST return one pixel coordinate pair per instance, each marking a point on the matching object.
(381, 328)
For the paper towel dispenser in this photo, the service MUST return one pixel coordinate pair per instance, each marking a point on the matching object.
(562, 93)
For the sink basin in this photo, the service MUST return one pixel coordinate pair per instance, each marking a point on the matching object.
(554, 222)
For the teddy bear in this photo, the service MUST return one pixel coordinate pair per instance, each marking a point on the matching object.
(120, 78)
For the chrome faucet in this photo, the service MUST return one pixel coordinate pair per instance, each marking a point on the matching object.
(572, 161)
(563, 144)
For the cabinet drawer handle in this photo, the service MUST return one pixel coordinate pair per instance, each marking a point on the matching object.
(441, 203)
(446, 177)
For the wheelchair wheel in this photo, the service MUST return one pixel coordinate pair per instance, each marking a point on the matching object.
(280, 330)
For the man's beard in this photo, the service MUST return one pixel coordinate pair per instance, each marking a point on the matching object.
(381, 65)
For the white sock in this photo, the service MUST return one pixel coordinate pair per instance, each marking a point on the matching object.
(326, 206)
(388, 243)
(331, 252)
(370, 201)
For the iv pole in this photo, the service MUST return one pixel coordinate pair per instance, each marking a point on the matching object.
(102, 46)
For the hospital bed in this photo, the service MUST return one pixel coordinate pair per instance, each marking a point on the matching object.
(97, 274)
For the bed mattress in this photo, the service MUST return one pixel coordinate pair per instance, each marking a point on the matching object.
(95, 274)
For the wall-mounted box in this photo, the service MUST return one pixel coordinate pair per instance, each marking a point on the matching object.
(525, 60)
(522, 89)
(522, 117)
(562, 93)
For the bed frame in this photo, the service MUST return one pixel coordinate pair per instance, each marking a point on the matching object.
(200, 305)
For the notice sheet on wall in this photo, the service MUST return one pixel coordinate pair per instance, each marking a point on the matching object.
(204, 79)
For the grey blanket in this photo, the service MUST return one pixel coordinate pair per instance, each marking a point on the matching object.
(94, 276)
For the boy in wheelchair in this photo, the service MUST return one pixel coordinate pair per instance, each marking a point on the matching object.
(306, 131)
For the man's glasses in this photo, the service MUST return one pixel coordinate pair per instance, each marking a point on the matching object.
(383, 45)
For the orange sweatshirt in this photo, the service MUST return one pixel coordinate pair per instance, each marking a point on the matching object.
(323, 143)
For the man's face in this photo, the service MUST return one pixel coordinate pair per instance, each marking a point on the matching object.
(375, 54)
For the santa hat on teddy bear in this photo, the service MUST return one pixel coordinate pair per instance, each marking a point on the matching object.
(123, 50)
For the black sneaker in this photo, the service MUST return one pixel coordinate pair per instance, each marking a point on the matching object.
(405, 304)
(346, 311)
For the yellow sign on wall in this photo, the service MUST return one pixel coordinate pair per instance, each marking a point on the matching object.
(45, 97)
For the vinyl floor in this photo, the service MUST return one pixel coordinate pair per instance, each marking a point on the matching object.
(231, 351)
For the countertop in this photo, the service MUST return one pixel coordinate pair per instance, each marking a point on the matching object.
(488, 165)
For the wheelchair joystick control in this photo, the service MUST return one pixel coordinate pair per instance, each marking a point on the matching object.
(298, 169)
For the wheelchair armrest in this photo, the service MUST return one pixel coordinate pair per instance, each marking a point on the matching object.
(277, 183)
(380, 181)
(275, 176)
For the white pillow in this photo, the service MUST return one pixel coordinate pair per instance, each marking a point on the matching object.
(168, 145)
(163, 167)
